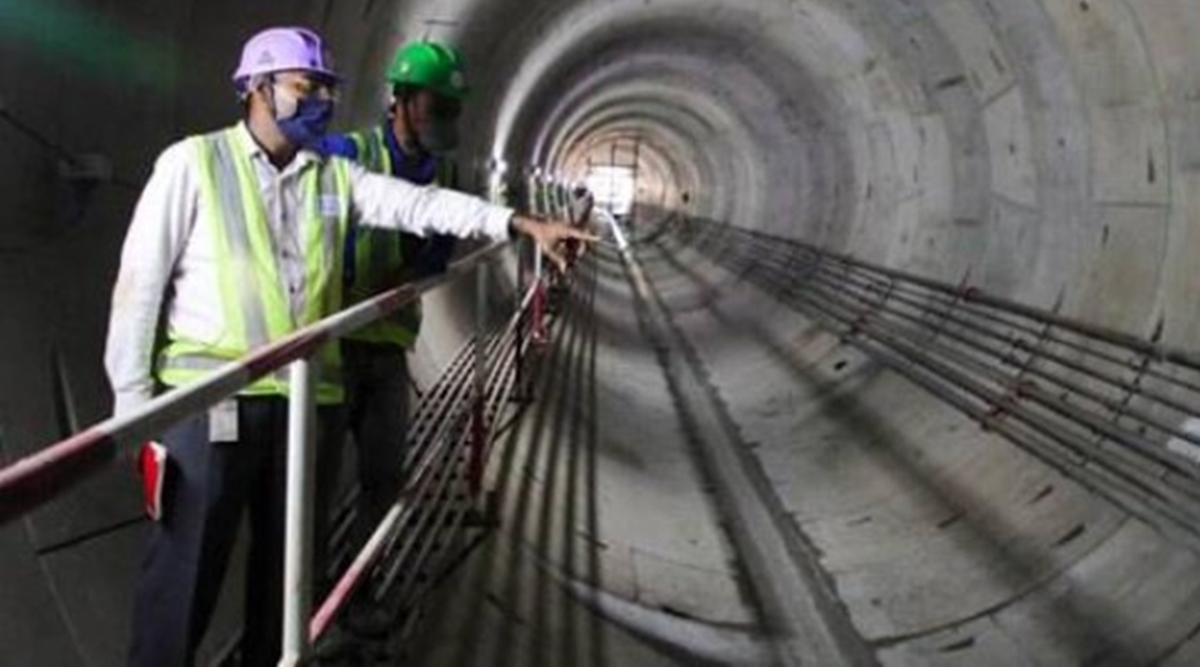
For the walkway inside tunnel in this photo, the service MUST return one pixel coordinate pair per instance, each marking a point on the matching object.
(899, 366)
(562, 555)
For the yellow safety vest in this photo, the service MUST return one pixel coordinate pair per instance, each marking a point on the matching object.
(379, 261)
(253, 297)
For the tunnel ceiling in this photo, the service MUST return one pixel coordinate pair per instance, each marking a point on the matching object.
(776, 93)
(930, 135)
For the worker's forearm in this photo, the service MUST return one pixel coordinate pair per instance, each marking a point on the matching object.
(381, 201)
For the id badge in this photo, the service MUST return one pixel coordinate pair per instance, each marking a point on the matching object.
(223, 422)
(331, 206)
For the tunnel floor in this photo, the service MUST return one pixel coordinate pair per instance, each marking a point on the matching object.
(941, 545)
(591, 496)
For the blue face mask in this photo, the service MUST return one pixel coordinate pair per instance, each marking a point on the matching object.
(308, 123)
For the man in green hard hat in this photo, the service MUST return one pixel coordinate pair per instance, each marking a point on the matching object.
(428, 87)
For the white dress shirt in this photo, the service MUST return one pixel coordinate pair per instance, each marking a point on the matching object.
(169, 264)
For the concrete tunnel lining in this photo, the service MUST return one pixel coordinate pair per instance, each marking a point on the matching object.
(1038, 146)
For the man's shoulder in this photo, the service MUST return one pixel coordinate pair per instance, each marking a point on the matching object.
(180, 154)
(210, 135)
(184, 149)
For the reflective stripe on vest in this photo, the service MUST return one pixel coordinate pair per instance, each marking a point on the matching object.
(253, 297)
(379, 258)
(373, 154)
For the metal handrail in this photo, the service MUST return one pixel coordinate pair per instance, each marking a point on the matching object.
(34, 480)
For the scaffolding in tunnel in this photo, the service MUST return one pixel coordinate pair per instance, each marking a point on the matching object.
(1115, 412)
(439, 519)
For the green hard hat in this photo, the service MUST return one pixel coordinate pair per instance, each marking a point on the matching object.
(429, 65)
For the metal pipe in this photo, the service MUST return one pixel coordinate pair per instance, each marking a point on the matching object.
(1161, 456)
(297, 568)
(352, 578)
(1115, 490)
(454, 417)
(435, 446)
(936, 335)
(428, 416)
(1146, 490)
(430, 526)
(432, 513)
(1135, 413)
(424, 530)
(1167, 353)
(956, 294)
(414, 586)
(444, 523)
(1132, 389)
(934, 350)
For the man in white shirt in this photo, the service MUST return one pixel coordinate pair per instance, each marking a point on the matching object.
(236, 242)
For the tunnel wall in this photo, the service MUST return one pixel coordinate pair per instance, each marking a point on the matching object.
(1034, 149)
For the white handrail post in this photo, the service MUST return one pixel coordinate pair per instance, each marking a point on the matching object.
(537, 263)
(297, 572)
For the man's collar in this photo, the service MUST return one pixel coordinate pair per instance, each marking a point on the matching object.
(250, 146)
(246, 141)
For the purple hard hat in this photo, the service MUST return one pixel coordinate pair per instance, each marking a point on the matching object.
(279, 49)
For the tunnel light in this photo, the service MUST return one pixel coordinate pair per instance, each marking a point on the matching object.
(612, 187)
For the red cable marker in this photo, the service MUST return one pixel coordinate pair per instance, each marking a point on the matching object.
(537, 327)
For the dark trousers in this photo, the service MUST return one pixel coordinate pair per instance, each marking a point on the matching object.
(210, 485)
(376, 380)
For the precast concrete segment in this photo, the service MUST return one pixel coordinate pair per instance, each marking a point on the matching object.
(706, 642)
(1017, 142)
(797, 601)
